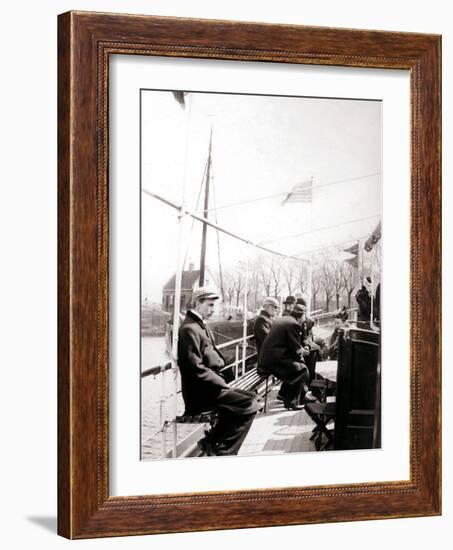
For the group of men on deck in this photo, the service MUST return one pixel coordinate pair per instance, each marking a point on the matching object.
(285, 349)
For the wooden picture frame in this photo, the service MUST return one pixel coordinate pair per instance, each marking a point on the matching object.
(85, 41)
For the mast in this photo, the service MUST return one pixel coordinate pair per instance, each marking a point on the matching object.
(205, 215)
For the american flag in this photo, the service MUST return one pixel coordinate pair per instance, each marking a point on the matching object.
(302, 192)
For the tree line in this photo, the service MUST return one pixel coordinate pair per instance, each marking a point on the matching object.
(333, 279)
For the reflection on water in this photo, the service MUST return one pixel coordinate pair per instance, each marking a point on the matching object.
(153, 352)
(152, 389)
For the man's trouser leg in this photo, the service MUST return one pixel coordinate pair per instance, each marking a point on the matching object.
(229, 433)
(294, 378)
(237, 409)
(310, 361)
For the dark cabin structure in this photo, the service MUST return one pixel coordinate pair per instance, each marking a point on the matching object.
(189, 281)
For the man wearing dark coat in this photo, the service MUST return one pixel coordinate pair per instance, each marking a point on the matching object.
(377, 304)
(203, 386)
(263, 322)
(363, 298)
(311, 350)
(282, 355)
(289, 304)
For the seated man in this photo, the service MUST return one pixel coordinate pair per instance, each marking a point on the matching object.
(281, 355)
(334, 340)
(263, 322)
(289, 305)
(311, 350)
(204, 388)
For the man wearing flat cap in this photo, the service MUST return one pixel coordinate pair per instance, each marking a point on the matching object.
(282, 355)
(203, 386)
(263, 322)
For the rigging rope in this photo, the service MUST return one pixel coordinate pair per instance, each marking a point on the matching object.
(202, 219)
(319, 229)
(315, 188)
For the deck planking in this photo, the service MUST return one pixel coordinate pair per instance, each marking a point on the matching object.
(281, 431)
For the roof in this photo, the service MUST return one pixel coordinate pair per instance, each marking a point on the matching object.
(188, 280)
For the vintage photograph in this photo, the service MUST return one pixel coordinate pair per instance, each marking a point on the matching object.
(260, 274)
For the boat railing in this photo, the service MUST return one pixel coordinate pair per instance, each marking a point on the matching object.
(240, 356)
(328, 317)
(238, 366)
(240, 360)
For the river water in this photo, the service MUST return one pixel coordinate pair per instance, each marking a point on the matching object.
(154, 409)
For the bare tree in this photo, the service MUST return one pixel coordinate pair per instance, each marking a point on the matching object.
(239, 282)
(337, 279)
(327, 282)
(265, 273)
(301, 277)
(254, 282)
(229, 286)
(290, 275)
(276, 273)
(315, 287)
(349, 281)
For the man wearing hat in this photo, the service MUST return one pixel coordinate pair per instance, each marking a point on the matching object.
(282, 355)
(204, 388)
(289, 305)
(311, 350)
(263, 322)
(363, 297)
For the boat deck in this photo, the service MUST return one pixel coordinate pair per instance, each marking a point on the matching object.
(281, 431)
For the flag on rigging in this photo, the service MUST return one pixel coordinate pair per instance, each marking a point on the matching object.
(354, 249)
(302, 192)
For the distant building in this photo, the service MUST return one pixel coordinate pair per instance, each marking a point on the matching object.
(153, 319)
(190, 280)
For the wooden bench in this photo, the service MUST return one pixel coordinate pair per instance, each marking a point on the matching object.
(250, 381)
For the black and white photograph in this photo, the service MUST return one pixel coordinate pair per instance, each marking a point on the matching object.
(209, 211)
(260, 274)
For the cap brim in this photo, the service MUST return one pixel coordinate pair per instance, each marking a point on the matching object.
(206, 296)
(212, 297)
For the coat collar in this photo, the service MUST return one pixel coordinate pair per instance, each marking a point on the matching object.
(264, 313)
(196, 318)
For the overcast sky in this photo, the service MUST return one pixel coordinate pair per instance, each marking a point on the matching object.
(261, 146)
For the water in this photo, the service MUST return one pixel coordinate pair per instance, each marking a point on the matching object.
(153, 352)
(153, 408)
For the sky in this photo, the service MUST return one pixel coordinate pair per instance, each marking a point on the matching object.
(261, 147)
